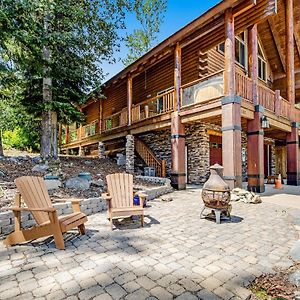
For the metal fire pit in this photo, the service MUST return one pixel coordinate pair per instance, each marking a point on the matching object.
(216, 195)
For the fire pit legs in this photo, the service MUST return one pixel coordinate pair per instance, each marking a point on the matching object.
(216, 213)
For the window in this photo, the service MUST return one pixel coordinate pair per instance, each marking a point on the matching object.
(262, 64)
(240, 49)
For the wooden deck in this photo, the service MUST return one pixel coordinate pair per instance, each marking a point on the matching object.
(200, 101)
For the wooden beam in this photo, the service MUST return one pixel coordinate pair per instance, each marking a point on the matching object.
(276, 39)
(229, 74)
(253, 61)
(297, 36)
(290, 55)
(177, 77)
(129, 98)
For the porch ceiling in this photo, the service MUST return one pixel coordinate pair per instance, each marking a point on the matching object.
(272, 34)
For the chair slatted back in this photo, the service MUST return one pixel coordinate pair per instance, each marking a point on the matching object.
(120, 188)
(35, 194)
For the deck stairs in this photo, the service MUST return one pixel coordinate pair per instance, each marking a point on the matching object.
(149, 157)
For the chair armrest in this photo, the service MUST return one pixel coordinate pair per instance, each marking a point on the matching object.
(72, 200)
(106, 196)
(141, 194)
(45, 209)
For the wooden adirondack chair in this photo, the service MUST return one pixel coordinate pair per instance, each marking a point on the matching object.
(120, 198)
(35, 195)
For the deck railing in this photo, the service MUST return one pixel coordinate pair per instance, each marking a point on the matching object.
(285, 108)
(266, 97)
(116, 120)
(90, 129)
(153, 107)
(243, 86)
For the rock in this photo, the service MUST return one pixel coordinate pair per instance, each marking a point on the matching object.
(40, 168)
(98, 183)
(234, 197)
(256, 199)
(295, 251)
(77, 183)
(166, 199)
(294, 278)
(88, 163)
(248, 198)
(53, 184)
(13, 159)
(2, 174)
(37, 159)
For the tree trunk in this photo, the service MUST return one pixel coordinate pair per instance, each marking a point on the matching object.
(1, 145)
(49, 146)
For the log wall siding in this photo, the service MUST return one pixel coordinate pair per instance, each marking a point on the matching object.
(91, 112)
(190, 63)
(153, 80)
(116, 99)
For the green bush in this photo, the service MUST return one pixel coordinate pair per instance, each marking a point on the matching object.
(21, 139)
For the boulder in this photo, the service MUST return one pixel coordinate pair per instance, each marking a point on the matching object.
(294, 278)
(40, 168)
(37, 159)
(166, 198)
(295, 251)
(77, 183)
(98, 183)
(256, 199)
(88, 162)
(13, 159)
(53, 184)
(2, 174)
(234, 197)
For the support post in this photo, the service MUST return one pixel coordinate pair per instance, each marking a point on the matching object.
(129, 98)
(100, 116)
(292, 143)
(178, 176)
(290, 58)
(231, 112)
(255, 146)
(177, 78)
(67, 134)
(253, 61)
(101, 150)
(130, 154)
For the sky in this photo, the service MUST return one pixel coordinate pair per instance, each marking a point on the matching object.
(179, 13)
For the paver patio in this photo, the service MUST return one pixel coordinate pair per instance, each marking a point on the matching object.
(177, 254)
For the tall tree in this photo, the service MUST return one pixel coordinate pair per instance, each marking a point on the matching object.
(149, 14)
(59, 49)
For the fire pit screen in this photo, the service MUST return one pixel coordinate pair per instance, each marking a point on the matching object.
(216, 194)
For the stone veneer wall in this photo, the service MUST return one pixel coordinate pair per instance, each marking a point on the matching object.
(197, 142)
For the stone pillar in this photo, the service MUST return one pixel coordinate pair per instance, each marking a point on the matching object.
(101, 150)
(255, 146)
(130, 154)
(178, 175)
(292, 143)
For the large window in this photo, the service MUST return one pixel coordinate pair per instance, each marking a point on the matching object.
(240, 49)
(262, 64)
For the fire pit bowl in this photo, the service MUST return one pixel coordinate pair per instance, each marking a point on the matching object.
(216, 193)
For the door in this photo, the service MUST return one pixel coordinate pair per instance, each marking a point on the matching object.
(215, 150)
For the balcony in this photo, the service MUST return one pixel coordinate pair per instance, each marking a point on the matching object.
(202, 94)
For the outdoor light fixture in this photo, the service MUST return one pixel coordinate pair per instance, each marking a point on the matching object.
(265, 122)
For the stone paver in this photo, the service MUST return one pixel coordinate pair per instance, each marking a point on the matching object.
(176, 254)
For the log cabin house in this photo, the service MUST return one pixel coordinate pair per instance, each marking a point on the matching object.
(220, 90)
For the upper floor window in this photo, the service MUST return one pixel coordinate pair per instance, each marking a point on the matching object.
(240, 49)
(262, 64)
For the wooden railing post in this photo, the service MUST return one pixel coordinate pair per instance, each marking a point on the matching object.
(177, 78)
(253, 61)
(100, 116)
(67, 134)
(163, 168)
(277, 103)
(129, 98)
